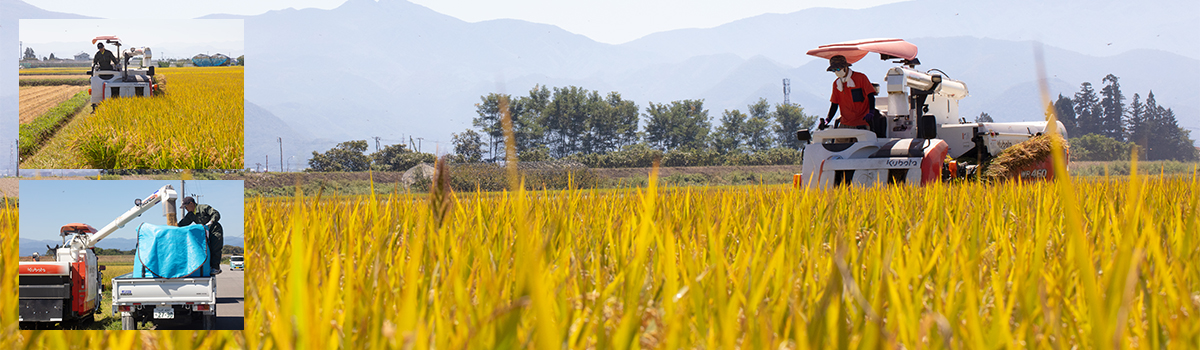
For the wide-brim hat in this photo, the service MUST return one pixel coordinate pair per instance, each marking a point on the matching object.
(837, 62)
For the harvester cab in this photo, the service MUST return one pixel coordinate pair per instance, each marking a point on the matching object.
(122, 81)
(919, 129)
(69, 287)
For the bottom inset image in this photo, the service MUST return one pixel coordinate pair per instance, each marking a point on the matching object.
(131, 254)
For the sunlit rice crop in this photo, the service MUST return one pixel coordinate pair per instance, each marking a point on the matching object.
(196, 124)
(962, 266)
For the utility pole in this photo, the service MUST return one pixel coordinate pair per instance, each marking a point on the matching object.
(281, 168)
(419, 139)
(376, 143)
(267, 163)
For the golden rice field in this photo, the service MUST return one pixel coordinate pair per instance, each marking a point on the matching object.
(1089, 263)
(196, 124)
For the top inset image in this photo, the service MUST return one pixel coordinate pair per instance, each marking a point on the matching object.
(121, 94)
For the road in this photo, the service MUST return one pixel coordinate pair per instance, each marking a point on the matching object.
(231, 303)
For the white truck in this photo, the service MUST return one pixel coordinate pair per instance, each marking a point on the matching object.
(189, 299)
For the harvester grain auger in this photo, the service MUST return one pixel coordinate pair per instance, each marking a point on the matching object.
(919, 138)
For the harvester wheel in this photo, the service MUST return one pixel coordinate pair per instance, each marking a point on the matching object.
(127, 323)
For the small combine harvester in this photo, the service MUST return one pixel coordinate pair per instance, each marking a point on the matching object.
(68, 288)
(122, 82)
(919, 137)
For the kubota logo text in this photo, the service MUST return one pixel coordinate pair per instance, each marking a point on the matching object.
(901, 162)
(37, 269)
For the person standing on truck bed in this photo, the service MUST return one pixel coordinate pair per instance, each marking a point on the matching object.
(853, 94)
(203, 213)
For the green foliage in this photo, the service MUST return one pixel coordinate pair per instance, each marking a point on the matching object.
(679, 125)
(113, 251)
(631, 156)
(1093, 147)
(398, 157)
(346, 156)
(56, 82)
(728, 137)
(790, 118)
(34, 133)
(757, 130)
(232, 250)
(468, 146)
(984, 118)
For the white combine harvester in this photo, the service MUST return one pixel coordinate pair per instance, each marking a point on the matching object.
(122, 82)
(920, 128)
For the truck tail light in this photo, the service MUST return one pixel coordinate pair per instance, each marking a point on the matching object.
(203, 307)
(124, 308)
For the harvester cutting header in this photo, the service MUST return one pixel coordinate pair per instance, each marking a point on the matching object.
(912, 133)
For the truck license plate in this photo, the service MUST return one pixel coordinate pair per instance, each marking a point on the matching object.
(164, 312)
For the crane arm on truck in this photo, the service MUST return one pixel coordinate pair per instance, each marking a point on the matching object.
(166, 193)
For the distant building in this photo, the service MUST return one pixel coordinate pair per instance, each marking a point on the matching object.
(83, 56)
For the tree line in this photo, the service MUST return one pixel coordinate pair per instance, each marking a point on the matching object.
(599, 130)
(566, 122)
(1103, 126)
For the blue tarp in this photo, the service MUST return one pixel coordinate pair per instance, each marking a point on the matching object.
(171, 252)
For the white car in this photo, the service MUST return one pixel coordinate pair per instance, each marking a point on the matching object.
(237, 262)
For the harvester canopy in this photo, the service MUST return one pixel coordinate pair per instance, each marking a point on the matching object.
(76, 227)
(106, 38)
(857, 49)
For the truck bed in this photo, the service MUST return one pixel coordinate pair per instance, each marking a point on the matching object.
(197, 290)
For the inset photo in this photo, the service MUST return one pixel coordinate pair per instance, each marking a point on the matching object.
(121, 94)
(131, 254)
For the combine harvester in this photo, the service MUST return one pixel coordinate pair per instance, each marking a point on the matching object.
(68, 288)
(918, 130)
(123, 82)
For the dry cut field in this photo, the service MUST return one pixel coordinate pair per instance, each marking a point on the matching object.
(35, 100)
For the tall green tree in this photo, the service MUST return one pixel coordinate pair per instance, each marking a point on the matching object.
(728, 137)
(614, 124)
(757, 131)
(398, 157)
(790, 118)
(566, 120)
(1112, 109)
(489, 119)
(468, 145)
(1087, 110)
(984, 118)
(679, 125)
(1064, 110)
(346, 156)
(1137, 128)
(529, 127)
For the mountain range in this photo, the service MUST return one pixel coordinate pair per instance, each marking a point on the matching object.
(404, 73)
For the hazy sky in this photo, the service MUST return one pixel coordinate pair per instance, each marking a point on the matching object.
(226, 35)
(46, 205)
(610, 21)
